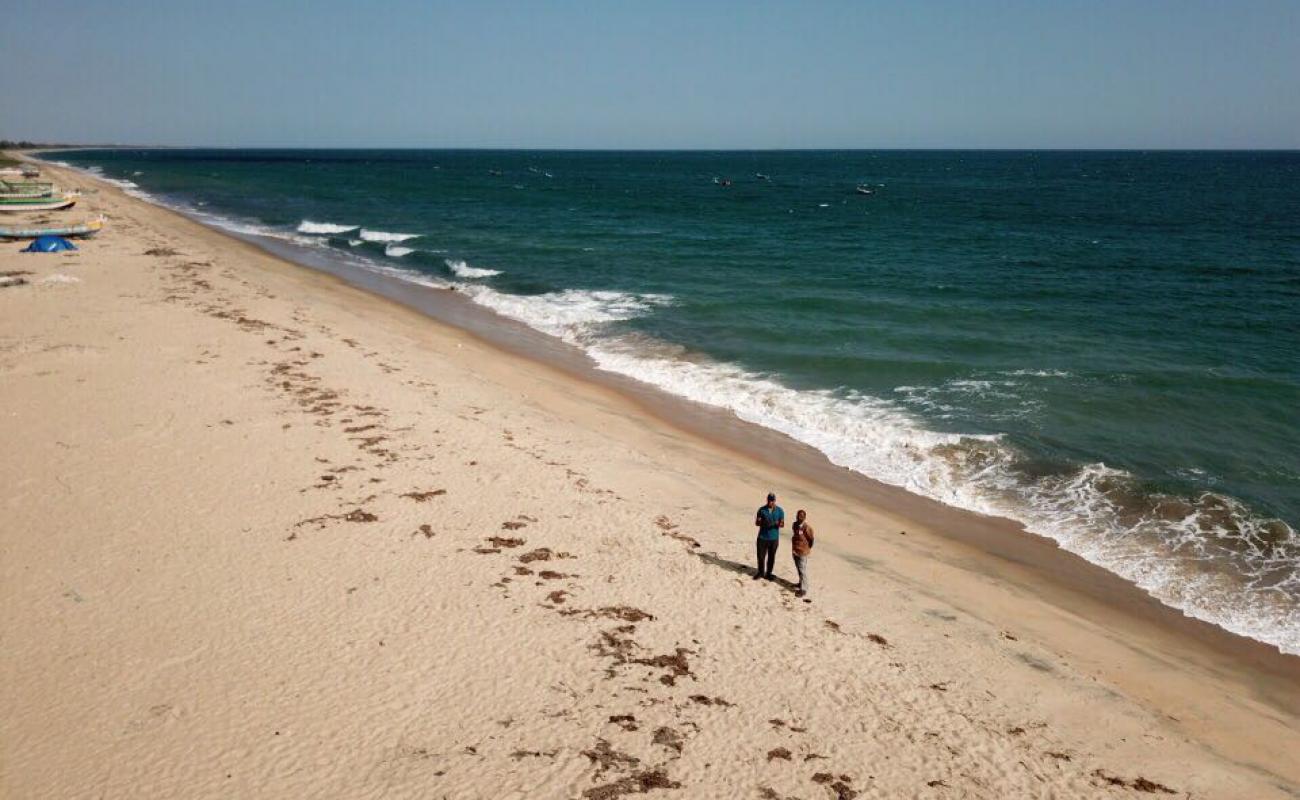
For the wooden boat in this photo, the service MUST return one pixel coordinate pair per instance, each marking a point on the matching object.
(17, 204)
(13, 191)
(84, 230)
(7, 186)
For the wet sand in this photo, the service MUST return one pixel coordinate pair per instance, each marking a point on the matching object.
(272, 534)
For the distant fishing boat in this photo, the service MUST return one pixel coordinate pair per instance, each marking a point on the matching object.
(16, 204)
(85, 230)
(762, 177)
(862, 188)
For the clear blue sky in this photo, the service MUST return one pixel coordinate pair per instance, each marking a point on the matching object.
(615, 74)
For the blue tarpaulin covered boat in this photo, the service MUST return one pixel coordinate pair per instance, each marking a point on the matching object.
(49, 244)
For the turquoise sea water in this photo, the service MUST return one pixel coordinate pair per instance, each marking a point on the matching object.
(1104, 346)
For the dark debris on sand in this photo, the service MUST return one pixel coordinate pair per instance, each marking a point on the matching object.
(669, 738)
(421, 497)
(522, 754)
(705, 700)
(606, 758)
(624, 613)
(839, 785)
(355, 515)
(625, 721)
(1138, 784)
(541, 554)
(636, 783)
(669, 529)
(676, 664)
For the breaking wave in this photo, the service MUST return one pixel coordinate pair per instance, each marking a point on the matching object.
(464, 270)
(385, 236)
(307, 226)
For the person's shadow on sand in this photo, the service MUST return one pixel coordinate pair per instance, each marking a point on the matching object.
(713, 559)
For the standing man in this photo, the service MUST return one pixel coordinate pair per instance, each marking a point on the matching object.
(770, 520)
(801, 543)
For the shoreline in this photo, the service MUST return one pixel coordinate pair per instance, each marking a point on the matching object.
(993, 571)
(999, 538)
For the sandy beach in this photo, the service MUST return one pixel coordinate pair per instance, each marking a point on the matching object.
(269, 534)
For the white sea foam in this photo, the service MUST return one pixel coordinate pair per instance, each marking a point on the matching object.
(385, 236)
(356, 242)
(464, 270)
(307, 226)
(397, 251)
(573, 315)
(1039, 373)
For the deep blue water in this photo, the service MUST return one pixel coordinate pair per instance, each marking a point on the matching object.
(1103, 345)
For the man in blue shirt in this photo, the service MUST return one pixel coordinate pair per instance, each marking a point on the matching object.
(770, 520)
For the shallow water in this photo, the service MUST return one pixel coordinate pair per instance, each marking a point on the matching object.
(1104, 346)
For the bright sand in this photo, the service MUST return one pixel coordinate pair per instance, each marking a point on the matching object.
(269, 535)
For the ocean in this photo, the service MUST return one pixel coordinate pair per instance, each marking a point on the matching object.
(1104, 346)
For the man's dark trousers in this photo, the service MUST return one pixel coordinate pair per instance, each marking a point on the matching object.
(766, 555)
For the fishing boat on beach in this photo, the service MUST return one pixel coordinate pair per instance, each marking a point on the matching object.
(18, 204)
(84, 230)
(24, 189)
(25, 171)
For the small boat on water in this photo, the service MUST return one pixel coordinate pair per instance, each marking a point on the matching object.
(18, 204)
(762, 177)
(84, 230)
(862, 188)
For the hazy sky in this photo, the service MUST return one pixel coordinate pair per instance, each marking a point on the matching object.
(643, 74)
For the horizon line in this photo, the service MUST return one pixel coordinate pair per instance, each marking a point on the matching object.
(515, 149)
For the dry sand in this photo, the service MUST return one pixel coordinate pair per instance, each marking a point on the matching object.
(268, 535)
